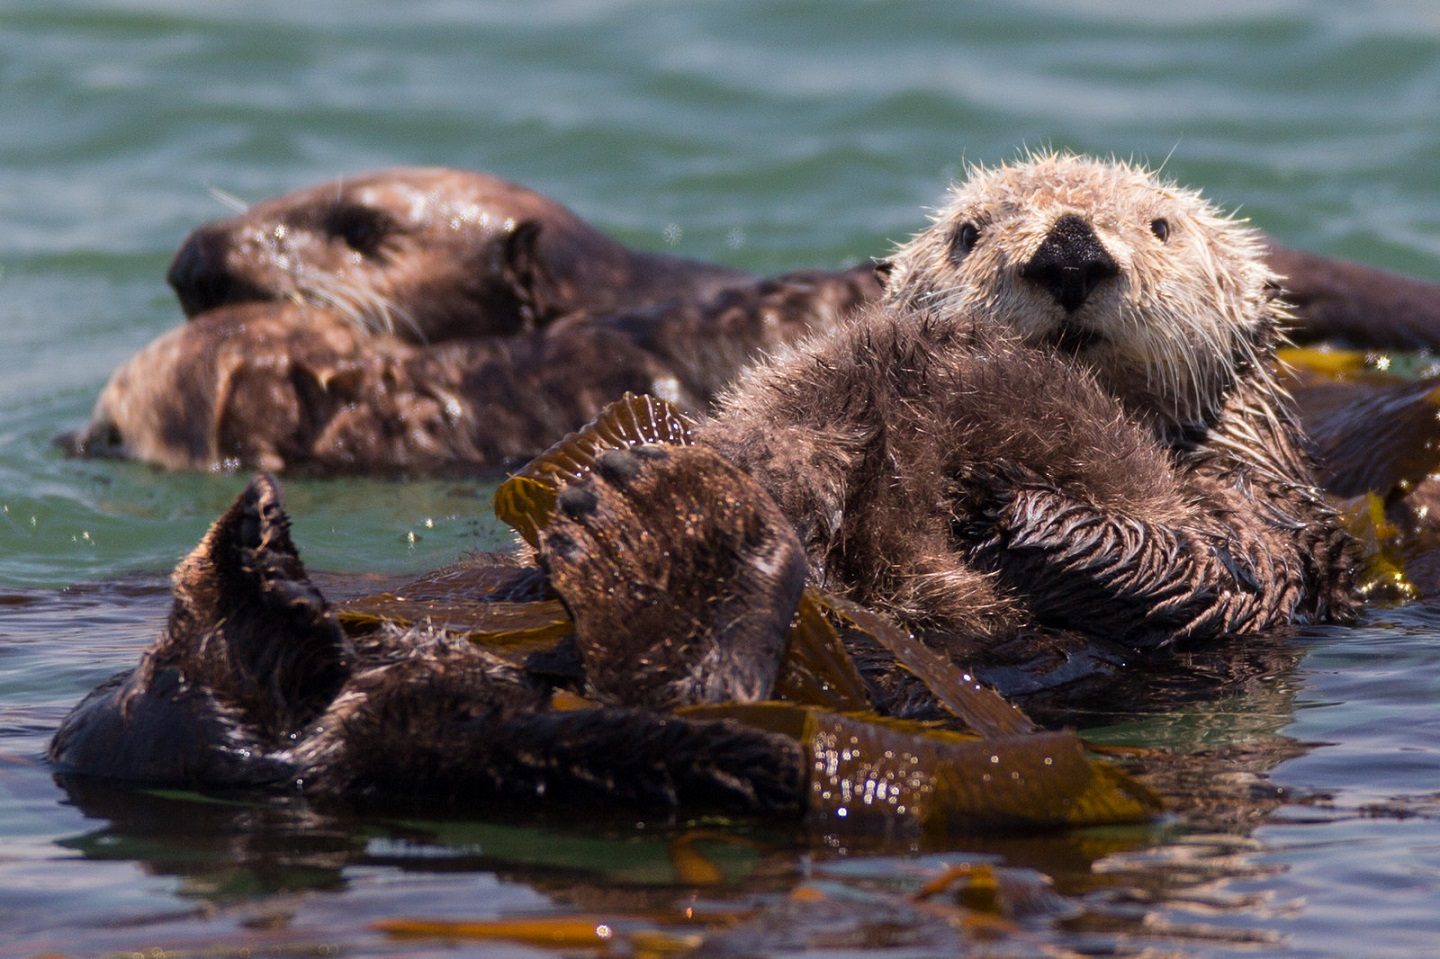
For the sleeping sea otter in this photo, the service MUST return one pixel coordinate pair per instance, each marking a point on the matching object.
(428, 254)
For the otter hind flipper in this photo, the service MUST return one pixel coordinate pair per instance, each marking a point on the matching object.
(248, 623)
(682, 576)
(250, 653)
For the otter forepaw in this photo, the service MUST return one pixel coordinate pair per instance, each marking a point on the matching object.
(681, 574)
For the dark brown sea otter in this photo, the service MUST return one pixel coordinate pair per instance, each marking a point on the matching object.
(428, 254)
(488, 267)
(1063, 413)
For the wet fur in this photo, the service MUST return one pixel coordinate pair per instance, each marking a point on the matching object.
(287, 386)
(941, 459)
(427, 254)
(482, 269)
(252, 683)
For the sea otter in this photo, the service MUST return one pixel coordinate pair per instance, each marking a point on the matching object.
(428, 254)
(1063, 413)
(681, 579)
(480, 270)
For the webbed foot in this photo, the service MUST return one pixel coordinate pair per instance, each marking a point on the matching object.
(248, 624)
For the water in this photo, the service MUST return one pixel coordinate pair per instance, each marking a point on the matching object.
(770, 136)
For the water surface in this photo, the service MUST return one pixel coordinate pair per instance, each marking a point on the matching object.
(769, 136)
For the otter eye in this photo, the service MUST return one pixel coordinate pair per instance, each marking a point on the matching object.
(965, 239)
(362, 228)
(1161, 228)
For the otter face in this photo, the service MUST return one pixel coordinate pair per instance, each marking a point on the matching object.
(427, 253)
(1160, 294)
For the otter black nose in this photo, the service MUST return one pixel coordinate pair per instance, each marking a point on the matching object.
(1070, 263)
(197, 274)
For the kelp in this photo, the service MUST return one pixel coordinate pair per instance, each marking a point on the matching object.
(509, 629)
(526, 501)
(1382, 574)
(817, 671)
(869, 772)
(1374, 424)
(979, 707)
(865, 771)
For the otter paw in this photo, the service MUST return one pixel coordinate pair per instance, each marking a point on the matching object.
(681, 574)
(247, 622)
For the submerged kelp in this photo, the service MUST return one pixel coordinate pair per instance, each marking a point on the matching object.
(1374, 423)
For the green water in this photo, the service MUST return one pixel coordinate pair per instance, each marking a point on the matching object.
(767, 135)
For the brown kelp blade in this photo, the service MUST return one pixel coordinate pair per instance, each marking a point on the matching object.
(871, 772)
(979, 707)
(526, 501)
(817, 671)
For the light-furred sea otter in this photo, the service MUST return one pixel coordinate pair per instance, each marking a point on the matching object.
(1064, 413)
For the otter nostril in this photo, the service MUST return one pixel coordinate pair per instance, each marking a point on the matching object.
(1070, 263)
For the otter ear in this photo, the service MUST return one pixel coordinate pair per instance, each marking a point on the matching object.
(248, 623)
(883, 269)
(528, 276)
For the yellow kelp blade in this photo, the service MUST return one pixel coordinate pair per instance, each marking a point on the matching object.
(526, 501)
(508, 629)
(1382, 576)
(980, 708)
(526, 504)
(867, 772)
(1304, 364)
(566, 932)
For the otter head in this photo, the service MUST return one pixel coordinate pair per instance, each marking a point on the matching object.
(426, 253)
(1145, 283)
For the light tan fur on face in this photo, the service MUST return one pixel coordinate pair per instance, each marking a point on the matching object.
(1182, 318)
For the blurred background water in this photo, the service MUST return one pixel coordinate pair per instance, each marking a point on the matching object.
(767, 135)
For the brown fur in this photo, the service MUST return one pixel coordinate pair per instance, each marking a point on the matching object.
(253, 683)
(961, 456)
(428, 254)
(411, 256)
(285, 386)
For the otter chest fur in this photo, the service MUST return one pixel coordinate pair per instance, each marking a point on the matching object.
(1063, 414)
